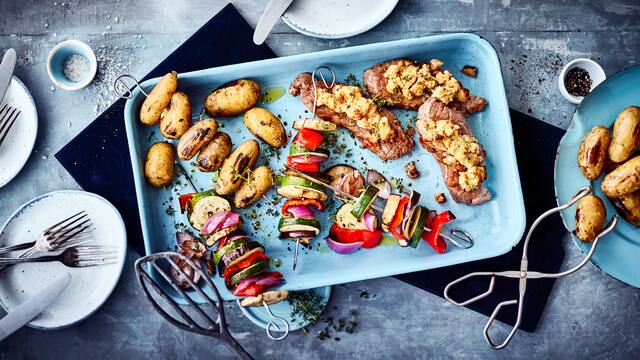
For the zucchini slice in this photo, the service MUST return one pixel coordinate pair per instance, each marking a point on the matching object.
(288, 224)
(299, 150)
(253, 270)
(365, 201)
(202, 207)
(346, 220)
(228, 248)
(417, 226)
(301, 192)
(213, 238)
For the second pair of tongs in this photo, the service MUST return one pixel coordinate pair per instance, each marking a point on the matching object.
(523, 274)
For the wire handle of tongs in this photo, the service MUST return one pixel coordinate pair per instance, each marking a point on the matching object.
(523, 274)
(273, 323)
(127, 93)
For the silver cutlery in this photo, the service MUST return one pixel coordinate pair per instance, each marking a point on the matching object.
(72, 231)
(75, 257)
(8, 116)
(7, 66)
(269, 18)
(33, 306)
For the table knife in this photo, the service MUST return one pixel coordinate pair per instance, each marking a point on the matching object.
(33, 306)
(269, 18)
(6, 71)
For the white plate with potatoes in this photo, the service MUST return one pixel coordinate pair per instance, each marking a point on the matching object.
(602, 148)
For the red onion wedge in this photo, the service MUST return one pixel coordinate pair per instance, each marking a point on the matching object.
(351, 183)
(378, 180)
(342, 248)
(369, 220)
(301, 212)
(306, 159)
(218, 221)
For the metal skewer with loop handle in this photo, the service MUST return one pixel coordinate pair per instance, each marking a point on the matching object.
(318, 71)
(523, 274)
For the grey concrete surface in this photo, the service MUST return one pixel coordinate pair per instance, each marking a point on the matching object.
(589, 315)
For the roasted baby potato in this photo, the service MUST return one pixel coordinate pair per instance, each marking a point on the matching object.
(592, 154)
(159, 165)
(265, 126)
(257, 184)
(175, 120)
(590, 218)
(628, 206)
(626, 134)
(233, 98)
(211, 157)
(235, 167)
(158, 99)
(625, 179)
(196, 138)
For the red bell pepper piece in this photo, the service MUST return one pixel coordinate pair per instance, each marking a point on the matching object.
(184, 200)
(433, 237)
(236, 268)
(304, 167)
(369, 239)
(397, 218)
(290, 203)
(308, 138)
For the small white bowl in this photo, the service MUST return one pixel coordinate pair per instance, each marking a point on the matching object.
(595, 72)
(57, 57)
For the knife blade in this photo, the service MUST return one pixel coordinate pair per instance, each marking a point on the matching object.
(269, 18)
(33, 306)
(6, 71)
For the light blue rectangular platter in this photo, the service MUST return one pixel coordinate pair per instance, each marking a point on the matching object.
(496, 226)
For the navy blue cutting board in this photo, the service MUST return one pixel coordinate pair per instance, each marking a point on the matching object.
(107, 170)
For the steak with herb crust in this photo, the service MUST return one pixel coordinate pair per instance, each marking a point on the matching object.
(408, 84)
(376, 127)
(445, 133)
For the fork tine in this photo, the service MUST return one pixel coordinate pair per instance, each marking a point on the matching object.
(4, 129)
(56, 224)
(62, 227)
(94, 263)
(59, 239)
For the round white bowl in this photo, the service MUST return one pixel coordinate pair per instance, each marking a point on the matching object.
(56, 59)
(595, 72)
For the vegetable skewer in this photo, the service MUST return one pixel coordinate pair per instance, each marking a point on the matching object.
(463, 239)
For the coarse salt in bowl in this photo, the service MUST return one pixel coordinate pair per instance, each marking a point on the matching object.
(72, 65)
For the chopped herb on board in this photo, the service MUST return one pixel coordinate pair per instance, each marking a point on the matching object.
(306, 306)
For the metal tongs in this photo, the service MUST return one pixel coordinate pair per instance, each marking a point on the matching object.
(523, 274)
(207, 325)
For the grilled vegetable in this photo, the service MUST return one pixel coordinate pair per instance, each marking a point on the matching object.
(158, 99)
(315, 124)
(345, 219)
(203, 205)
(233, 98)
(196, 138)
(626, 134)
(293, 187)
(253, 270)
(289, 224)
(365, 201)
(269, 297)
(265, 126)
(389, 211)
(592, 154)
(590, 218)
(175, 120)
(416, 227)
(159, 165)
(235, 167)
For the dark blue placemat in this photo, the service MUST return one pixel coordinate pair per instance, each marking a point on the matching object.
(98, 159)
(536, 143)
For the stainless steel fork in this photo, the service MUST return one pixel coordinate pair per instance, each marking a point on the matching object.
(8, 116)
(77, 256)
(72, 231)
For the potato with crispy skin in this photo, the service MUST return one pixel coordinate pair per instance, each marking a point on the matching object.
(213, 154)
(233, 98)
(592, 154)
(590, 218)
(265, 126)
(175, 120)
(158, 99)
(259, 181)
(625, 179)
(196, 138)
(159, 165)
(235, 167)
(628, 206)
(626, 134)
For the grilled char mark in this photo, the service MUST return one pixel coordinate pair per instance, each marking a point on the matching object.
(398, 145)
(436, 110)
(376, 85)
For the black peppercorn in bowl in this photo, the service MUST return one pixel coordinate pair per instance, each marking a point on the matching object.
(578, 78)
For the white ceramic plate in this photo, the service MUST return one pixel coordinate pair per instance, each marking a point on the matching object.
(89, 287)
(334, 19)
(17, 147)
